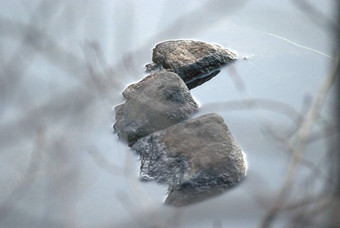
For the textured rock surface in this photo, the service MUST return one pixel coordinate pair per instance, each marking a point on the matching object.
(158, 101)
(191, 60)
(197, 158)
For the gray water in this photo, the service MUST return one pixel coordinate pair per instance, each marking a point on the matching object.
(64, 65)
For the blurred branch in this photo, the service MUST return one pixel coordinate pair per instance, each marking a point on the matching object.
(315, 170)
(76, 102)
(335, 161)
(305, 216)
(252, 104)
(103, 163)
(101, 77)
(7, 206)
(256, 103)
(316, 16)
(109, 73)
(43, 44)
(135, 214)
(12, 71)
(297, 143)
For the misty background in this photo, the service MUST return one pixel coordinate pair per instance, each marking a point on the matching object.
(63, 66)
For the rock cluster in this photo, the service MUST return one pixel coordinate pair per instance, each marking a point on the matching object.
(197, 158)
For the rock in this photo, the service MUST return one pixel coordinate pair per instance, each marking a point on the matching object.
(191, 60)
(158, 101)
(197, 158)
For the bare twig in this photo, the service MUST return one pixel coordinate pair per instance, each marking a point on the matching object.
(103, 163)
(298, 141)
(315, 15)
(7, 206)
(262, 117)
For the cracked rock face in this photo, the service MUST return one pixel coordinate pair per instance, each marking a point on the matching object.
(194, 61)
(158, 101)
(197, 158)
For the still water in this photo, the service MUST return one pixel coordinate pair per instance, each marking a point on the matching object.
(64, 65)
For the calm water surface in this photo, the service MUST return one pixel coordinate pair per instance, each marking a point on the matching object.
(84, 176)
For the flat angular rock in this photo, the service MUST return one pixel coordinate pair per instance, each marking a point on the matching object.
(158, 101)
(194, 61)
(197, 158)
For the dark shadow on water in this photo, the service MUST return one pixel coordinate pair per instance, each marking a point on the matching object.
(200, 80)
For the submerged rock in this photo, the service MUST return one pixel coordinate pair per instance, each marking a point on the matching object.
(158, 101)
(197, 158)
(194, 61)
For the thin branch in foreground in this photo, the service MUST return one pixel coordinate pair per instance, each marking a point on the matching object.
(297, 143)
(7, 206)
(103, 163)
(267, 125)
(315, 15)
(135, 214)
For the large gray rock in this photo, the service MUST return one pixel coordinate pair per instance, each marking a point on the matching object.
(194, 61)
(197, 158)
(158, 101)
